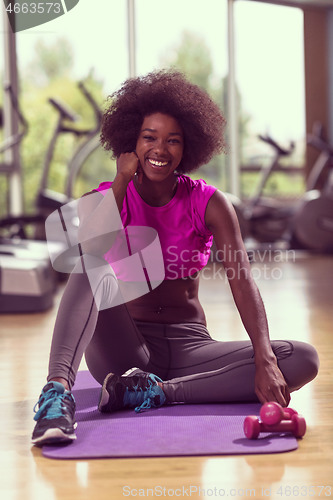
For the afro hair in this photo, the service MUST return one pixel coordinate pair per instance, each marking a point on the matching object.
(167, 92)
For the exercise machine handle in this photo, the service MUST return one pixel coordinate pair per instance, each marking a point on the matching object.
(281, 151)
(316, 139)
(65, 112)
(323, 160)
(94, 105)
(267, 171)
(17, 138)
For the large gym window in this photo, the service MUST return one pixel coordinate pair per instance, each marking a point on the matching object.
(87, 43)
(191, 36)
(269, 59)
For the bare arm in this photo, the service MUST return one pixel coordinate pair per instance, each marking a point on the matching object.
(222, 221)
(100, 215)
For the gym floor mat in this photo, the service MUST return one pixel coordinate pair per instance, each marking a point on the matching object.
(174, 430)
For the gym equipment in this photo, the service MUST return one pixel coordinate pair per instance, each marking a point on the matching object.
(308, 222)
(17, 138)
(269, 219)
(26, 284)
(27, 278)
(253, 426)
(272, 413)
(320, 171)
(294, 423)
(313, 221)
(48, 200)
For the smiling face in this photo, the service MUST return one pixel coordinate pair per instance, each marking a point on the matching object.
(160, 146)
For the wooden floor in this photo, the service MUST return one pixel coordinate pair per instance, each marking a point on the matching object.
(298, 292)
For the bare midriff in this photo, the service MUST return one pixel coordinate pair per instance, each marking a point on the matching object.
(173, 301)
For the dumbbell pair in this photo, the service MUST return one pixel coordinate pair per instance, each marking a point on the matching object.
(274, 418)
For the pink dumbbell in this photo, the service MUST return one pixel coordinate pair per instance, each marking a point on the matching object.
(272, 413)
(253, 426)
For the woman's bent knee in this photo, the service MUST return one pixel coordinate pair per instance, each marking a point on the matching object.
(311, 361)
(303, 366)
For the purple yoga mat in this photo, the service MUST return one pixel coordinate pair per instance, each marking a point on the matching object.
(214, 429)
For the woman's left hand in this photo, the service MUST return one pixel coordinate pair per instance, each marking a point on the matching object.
(270, 384)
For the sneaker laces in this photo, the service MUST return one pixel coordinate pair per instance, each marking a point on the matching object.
(52, 404)
(137, 395)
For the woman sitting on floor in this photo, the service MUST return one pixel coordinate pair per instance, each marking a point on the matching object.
(160, 127)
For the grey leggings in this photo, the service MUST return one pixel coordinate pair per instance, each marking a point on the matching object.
(195, 368)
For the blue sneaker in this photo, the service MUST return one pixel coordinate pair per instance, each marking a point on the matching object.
(134, 389)
(55, 416)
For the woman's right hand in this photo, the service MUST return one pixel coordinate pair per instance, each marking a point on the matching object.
(128, 165)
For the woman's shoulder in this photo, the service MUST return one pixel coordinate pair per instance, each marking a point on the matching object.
(197, 188)
(194, 184)
(103, 186)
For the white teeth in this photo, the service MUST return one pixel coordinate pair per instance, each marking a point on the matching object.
(158, 163)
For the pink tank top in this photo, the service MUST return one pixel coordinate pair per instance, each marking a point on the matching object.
(184, 237)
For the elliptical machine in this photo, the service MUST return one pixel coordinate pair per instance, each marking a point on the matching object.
(48, 200)
(312, 223)
(268, 219)
(27, 278)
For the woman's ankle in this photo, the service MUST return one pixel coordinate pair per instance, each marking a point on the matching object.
(62, 381)
(161, 385)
